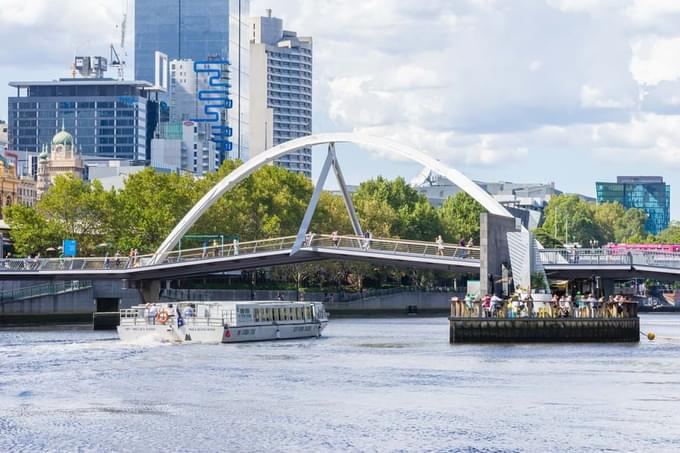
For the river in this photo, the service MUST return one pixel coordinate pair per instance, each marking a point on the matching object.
(368, 385)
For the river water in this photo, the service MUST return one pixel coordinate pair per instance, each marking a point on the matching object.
(367, 385)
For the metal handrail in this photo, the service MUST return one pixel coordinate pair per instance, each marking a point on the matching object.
(47, 289)
(606, 256)
(396, 246)
(391, 246)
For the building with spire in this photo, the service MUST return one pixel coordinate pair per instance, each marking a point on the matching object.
(62, 159)
(9, 184)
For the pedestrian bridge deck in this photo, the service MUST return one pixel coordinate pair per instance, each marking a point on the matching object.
(558, 263)
(248, 255)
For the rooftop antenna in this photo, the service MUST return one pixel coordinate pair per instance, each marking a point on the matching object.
(116, 60)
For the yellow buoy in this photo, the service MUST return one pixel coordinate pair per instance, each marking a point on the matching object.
(651, 336)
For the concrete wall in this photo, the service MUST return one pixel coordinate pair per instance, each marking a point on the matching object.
(71, 302)
(494, 251)
(115, 289)
(399, 302)
(12, 285)
(82, 301)
(424, 302)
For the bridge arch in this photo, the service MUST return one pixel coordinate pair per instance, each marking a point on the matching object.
(249, 167)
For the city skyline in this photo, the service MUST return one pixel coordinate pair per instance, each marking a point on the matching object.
(564, 91)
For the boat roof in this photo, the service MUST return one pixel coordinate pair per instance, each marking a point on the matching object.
(268, 303)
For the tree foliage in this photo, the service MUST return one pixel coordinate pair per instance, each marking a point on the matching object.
(459, 216)
(670, 235)
(567, 218)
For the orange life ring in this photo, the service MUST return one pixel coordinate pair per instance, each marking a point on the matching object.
(162, 316)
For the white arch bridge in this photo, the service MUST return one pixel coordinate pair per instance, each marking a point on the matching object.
(166, 263)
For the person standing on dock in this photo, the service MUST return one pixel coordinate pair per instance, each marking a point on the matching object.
(496, 304)
(529, 302)
(486, 305)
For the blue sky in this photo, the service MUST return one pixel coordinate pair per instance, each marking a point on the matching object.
(570, 91)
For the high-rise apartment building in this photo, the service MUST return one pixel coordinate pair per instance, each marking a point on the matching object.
(280, 90)
(107, 117)
(198, 31)
(649, 193)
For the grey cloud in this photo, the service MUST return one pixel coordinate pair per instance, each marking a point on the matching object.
(662, 98)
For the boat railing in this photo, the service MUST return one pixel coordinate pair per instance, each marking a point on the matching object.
(140, 316)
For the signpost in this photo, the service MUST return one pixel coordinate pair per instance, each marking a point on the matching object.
(69, 247)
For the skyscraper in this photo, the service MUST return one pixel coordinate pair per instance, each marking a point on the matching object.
(109, 118)
(648, 193)
(199, 30)
(281, 90)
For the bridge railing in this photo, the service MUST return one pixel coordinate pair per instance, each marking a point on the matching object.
(42, 290)
(396, 246)
(605, 256)
(233, 249)
(388, 246)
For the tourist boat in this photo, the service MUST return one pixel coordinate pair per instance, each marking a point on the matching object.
(222, 322)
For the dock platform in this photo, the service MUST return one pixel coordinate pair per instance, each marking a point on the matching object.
(542, 330)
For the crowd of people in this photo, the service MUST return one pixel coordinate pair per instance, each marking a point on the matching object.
(559, 306)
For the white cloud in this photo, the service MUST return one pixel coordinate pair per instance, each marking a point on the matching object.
(649, 12)
(51, 33)
(655, 59)
(483, 83)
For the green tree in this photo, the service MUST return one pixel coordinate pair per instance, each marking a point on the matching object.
(331, 215)
(459, 217)
(30, 231)
(71, 209)
(571, 219)
(395, 209)
(670, 235)
(619, 224)
(149, 206)
(269, 203)
(546, 239)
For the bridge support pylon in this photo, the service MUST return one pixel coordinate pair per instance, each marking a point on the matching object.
(494, 250)
(150, 290)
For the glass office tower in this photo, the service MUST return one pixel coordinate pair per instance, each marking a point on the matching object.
(198, 30)
(108, 118)
(648, 193)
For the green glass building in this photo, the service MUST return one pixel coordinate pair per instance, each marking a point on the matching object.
(648, 193)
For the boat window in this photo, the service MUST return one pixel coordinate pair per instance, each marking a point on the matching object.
(257, 314)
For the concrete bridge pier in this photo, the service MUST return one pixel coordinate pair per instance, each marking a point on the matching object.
(149, 290)
(494, 250)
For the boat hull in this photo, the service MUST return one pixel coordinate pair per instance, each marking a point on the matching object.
(242, 334)
(218, 334)
(156, 333)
